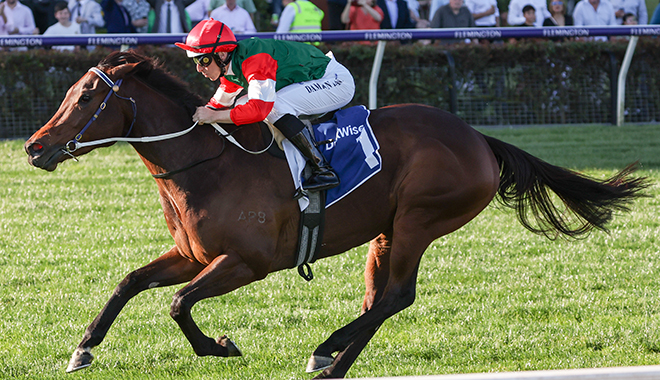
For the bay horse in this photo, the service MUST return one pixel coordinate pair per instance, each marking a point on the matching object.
(438, 173)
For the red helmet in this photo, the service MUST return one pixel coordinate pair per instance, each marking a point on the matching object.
(209, 36)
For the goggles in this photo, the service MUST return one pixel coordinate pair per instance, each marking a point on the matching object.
(203, 60)
(557, 3)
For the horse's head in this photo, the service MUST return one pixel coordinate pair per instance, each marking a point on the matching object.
(94, 108)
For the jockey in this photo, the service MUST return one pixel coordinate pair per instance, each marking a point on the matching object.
(283, 80)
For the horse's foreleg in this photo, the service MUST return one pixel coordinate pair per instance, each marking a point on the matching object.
(376, 274)
(351, 339)
(169, 269)
(225, 274)
(345, 359)
(390, 277)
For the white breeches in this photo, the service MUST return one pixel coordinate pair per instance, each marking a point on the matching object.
(334, 90)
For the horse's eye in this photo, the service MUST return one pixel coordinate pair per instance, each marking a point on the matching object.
(84, 98)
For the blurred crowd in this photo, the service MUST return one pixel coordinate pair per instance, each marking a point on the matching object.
(70, 17)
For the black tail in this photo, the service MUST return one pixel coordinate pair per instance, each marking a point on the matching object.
(587, 203)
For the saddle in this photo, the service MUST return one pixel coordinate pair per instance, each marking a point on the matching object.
(348, 143)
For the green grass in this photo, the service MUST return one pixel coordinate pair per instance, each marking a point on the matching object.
(491, 296)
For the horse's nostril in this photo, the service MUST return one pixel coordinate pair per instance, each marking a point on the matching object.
(34, 149)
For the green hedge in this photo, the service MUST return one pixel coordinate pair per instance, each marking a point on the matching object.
(531, 82)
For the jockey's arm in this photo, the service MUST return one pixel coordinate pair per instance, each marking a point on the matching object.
(260, 72)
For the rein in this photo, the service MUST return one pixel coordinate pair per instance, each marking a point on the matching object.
(75, 144)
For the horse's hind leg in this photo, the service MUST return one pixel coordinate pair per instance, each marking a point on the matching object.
(390, 279)
(169, 269)
(376, 272)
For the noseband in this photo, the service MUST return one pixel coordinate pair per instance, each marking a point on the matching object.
(74, 144)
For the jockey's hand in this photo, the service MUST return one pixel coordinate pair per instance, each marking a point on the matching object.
(205, 115)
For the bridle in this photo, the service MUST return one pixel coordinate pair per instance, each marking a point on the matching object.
(75, 144)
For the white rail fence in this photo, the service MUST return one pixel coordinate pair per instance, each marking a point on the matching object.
(613, 373)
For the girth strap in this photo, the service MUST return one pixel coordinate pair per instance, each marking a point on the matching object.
(312, 221)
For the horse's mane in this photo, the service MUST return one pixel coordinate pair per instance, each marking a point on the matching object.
(152, 72)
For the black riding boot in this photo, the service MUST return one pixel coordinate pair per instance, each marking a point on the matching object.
(323, 177)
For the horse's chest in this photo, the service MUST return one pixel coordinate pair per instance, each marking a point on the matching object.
(202, 235)
(186, 227)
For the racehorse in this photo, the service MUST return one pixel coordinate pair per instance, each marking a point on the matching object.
(437, 174)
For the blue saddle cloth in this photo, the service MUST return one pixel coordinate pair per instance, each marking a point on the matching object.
(353, 152)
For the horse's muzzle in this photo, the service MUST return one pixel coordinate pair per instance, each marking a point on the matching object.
(42, 157)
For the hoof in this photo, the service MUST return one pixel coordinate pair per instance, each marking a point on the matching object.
(318, 363)
(232, 349)
(81, 358)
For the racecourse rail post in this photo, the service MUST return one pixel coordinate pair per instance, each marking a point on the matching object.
(134, 39)
(621, 82)
(375, 73)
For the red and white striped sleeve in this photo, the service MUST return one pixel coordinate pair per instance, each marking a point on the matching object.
(260, 71)
(225, 94)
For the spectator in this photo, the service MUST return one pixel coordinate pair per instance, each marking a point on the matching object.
(198, 11)
(43, 12)
(88, 14)
(335, 8)
(169, 16)
(299, 16)
(636, 7)
(19, 18)
(435, 5)
(235, 17)
(395, 14)
(413, 8)
(570, 6)
(64, 26)
(423, 10)
(275, 10)
(453, 15)
(530, 21)
(484, 12)
(248, 5)
(655, 20)
(3, 21)
(594, 12)
(362, 15)
(139, 12)
(117, 19)
(530, 16)
(558, 16)
(630, 19)
(515, 15)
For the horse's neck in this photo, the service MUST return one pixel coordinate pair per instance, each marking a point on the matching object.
(202, 143)
(173, 154)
